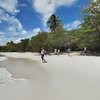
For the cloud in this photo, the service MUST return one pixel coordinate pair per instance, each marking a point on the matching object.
(15, 26)
(2, 33)
(16, 39)
(23, 5)
(9, 6)
(73, 25)
(36, 31)
(94, 0)
(48, 7)
(29, 35)
(3, 40)
(13, 31)
(3, 16)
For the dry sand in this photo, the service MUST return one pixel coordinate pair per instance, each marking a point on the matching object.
(62, 78)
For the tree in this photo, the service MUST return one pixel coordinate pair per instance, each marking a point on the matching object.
(56, 38)
(92, 18)
(39, 41)
(24, 44)
(91, 26)
(11, 46)
(53, 22)
(3, 48)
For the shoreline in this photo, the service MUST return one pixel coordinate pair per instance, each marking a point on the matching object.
(72, 53)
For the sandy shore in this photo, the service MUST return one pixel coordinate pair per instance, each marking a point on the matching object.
(61, 78)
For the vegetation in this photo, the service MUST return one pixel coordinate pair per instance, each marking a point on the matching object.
(88, 35)
(91, 27)
(54, 22)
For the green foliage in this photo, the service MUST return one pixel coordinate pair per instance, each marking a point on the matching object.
(22, 46)
(92, 18)
(3, 48)
(11, 47)
(56, 38)
(54, 22)
(91, 27)
(38, 41)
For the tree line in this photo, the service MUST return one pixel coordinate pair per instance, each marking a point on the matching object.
(88, 35)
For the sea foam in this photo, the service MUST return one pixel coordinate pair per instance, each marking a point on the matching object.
(3, 58)
(6, 78)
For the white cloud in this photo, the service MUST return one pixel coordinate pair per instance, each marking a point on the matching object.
(22, 5)
(3, 16)
(18, 40)
(15, 26)
(3, 40)
(73, 25)
(29, 35)
(36, 31)
(48, 7)
(94, 0)
(9, 5)
(14, 30)
(2, 33)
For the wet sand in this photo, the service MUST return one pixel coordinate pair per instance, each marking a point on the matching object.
(23, 68)
(62, 78)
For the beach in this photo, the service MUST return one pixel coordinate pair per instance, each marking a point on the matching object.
(23, 76)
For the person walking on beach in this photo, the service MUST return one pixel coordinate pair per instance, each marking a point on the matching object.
(55, 51)
(42, 55)
(58, 51)
(69, 50)
(85, 50)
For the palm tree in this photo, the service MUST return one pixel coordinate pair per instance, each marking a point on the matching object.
(53, 22)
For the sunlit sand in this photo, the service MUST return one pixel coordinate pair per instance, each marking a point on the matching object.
(61, 78)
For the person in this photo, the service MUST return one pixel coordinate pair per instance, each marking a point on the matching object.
(42, 55)
(55, 51)
(58, 51)
(69, 50)
(84, 50)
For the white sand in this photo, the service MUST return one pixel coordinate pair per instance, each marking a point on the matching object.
(66, 78)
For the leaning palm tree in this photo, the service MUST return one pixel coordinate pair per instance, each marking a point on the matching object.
(53, 22)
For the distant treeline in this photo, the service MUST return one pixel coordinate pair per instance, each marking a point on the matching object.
(88, 35)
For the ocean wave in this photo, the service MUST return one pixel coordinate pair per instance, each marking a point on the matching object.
(3, 58)
(6, 77)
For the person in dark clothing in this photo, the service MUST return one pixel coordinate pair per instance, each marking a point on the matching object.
(42, 55)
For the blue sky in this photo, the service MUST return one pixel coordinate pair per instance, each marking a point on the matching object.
(20, 19)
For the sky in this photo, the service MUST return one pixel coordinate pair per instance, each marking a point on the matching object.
(20, 19)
